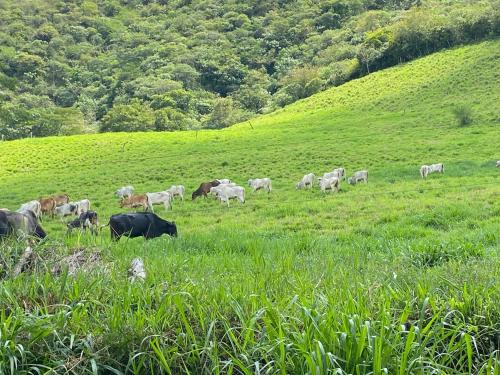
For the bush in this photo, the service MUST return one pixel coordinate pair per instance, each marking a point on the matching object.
(463, 115)
(131, 117)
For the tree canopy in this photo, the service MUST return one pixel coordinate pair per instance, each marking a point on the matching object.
(79, 66)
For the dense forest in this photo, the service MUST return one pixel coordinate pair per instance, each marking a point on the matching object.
(80, 66)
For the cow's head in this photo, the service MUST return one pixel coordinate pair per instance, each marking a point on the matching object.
(91, 216)
(170, 228)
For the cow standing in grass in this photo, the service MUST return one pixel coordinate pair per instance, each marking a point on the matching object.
(224, 193)
(24, 224)
(177, 191)
(66, 209)
(204, 189)
(86, 220)
(138, 224)
(306, 181)
(162, 197)
(260, 183)
(82, 206)
(61, 199)
(332, 184)
(357, 177)
(425, 170)
(136, 201)
(125, 192)
(33, 206)
(47, 206)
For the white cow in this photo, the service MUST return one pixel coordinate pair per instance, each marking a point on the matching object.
(162, 197)
(224, 181)
(307, 180)
(425, 170)
(260, 183)
(332, 183)
(215, 189)
(498, 163)
(335, 173)
(225, 193)
(177, 191)
(340, 171)
(125, 192)
(81, 206)
(33, 206)
(357, 177)
(66, 209)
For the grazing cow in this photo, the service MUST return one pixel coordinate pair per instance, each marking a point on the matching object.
(224, 181)
(425, 170)
(260, 183)
(162, 197)
(136, 201)
(87, 219)
(332, 183)
(214, 190)
(14, 223)
(33, 206)
(335, 173)
(225, 193)
(307, 180)
(340, 172)
(66, 209)
(204, 189)
(125, 192)
(145, 224)
(357, 177)
(82, 206)
(47, 206)
(177, 191)
(498, 163)
(61, 199)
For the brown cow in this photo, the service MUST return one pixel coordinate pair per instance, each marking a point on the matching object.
(135, 201)
(204, 189)
(60, 199)
(47, 205)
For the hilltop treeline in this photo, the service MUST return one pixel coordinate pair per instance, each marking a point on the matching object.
(77, 66)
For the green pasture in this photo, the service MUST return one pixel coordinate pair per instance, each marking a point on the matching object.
(398, 276)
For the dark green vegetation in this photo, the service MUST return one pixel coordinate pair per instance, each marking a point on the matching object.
(70, 67)
(398, 276)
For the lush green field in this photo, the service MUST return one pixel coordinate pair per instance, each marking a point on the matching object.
(397, 276)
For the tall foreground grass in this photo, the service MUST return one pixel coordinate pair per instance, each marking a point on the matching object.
(236, 302)
(398, 276)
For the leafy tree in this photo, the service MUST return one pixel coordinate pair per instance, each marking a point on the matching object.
(170, 119)
(205, 63)
(224, 114)
(134, 116)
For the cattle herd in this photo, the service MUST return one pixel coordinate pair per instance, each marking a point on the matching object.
(26, 220)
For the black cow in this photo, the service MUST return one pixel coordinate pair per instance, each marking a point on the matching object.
(86, 220)
(26, 223)
(145, 224)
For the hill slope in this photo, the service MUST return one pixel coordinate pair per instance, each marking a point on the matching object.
(76, 67)
(288, 275)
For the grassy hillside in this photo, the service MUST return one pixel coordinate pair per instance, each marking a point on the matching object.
(82, 66)
(399, 275)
